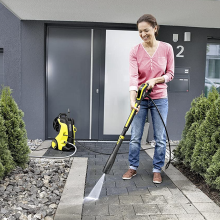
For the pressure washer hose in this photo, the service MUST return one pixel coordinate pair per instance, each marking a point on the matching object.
(45, 157)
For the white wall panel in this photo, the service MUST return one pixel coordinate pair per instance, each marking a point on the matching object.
(116, 97)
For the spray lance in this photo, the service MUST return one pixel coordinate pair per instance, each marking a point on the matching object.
(142, 93)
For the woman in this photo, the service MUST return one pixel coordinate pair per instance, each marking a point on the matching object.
(151, 62)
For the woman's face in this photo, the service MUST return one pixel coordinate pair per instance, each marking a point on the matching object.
(146, 31)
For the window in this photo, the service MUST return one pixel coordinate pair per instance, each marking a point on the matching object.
(1, 68)
(212, 74)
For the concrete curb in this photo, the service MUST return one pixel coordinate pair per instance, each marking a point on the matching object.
(70, 206)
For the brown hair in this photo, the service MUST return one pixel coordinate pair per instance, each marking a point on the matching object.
(151, 20)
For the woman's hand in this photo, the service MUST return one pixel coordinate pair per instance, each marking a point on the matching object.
(154, 81)
(133, 107)
(133, 95)
(151, 83)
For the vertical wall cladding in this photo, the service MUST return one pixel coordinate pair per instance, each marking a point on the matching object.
(10, 42)
(33, 77)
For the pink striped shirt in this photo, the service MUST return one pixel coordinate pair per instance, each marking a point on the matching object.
(144, 67)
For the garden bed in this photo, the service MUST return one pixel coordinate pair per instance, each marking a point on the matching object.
(199, 182)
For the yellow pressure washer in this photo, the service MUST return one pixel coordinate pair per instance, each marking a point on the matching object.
(65, 140)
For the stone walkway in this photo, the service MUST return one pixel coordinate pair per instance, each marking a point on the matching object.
(135, 199)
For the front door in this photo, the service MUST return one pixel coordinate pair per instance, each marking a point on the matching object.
(68, 64)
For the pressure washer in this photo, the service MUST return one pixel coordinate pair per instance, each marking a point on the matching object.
(65, 140)
(142, 93)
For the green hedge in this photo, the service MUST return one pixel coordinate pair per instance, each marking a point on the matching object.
(6, 160)
(200, 143)
(14, 150)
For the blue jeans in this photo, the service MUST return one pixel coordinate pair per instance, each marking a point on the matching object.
(137, 128)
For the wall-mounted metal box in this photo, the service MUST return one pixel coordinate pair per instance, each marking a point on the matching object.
(181, 81)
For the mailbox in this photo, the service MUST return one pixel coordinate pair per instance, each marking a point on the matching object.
(181, 80)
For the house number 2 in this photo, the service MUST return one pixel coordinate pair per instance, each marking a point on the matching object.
(180, 52)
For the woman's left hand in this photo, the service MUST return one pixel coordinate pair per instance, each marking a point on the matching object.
(151, 83)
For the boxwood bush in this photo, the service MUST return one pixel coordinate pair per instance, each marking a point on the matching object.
(15, 128)
(6, 160)
(199, 148)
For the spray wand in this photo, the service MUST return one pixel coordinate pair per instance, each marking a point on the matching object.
(142, 93)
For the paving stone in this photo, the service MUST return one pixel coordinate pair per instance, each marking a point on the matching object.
(142, 171)
(191, 217)
(175, 177)
(71, 199)
(166, 183)
(89, 189)
(88, 218)
(138, 191)
(121, 163)
(67, 217)
(171, 170)
(185, 185)
(124, 183)
(178, 198)
(211, 216)
(146, 209)
(137, 217)
(93, 177)
(197, 196)
(117, 191)
(100, 162)
(163, 217)
(108, 217)
(146, 177)
(90, 183)
(157, 199)
(108, 200)
(143, 183)
(93, 210)
(126, 200)
(207, 207)
(171, 209)
(190, 208)
(121, 210)
(69, 209)
(113, 177)
(109, 184)
(160, 191)
(175, 191)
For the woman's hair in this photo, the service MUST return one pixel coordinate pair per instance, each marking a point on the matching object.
(151, 20)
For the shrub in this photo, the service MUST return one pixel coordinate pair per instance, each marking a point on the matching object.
(194, 118)
(194, 130)
(212, 175)
(2, 170)
(206, 140)
(15, 128)
(6, 160)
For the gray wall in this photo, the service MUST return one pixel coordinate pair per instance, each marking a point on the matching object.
(33, 78)
(24, 61)
(10, 41)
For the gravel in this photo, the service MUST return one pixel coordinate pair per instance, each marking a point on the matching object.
(34, 192)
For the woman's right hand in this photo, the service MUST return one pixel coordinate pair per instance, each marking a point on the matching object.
(133, 95)
(133, 107)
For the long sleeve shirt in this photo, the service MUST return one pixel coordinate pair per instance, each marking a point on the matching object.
(144, 67)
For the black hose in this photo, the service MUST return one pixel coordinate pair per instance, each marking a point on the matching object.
(168, 163)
